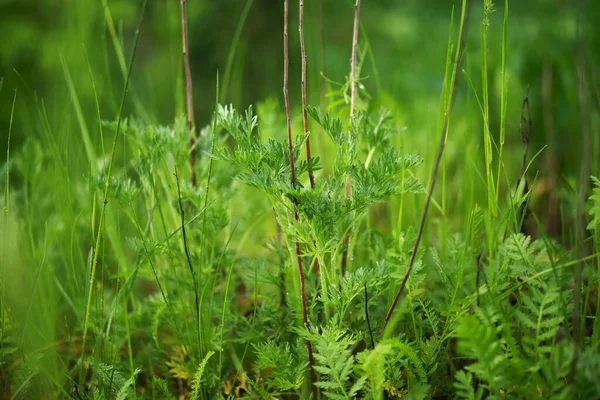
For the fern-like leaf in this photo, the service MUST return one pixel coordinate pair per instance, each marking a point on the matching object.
(197, 381)
(127, 387)
(160, 385)
(595, 210)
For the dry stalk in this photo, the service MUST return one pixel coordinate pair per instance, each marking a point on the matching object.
(353, 84)
(304, 101)
(188, 91)
(311, 175)
(286, 98)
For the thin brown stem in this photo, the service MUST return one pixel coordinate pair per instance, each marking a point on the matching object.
(353, 85)
(286, 98)
(311, 176)
(188, 91)
(460, 52)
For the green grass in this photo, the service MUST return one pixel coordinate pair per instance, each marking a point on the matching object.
(120, 279)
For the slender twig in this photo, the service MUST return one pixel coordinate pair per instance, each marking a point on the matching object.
(353, 86)
(92, 277)
(188, 91)
(286, 98)
(462, 35)
(187, 254)
(311, 176)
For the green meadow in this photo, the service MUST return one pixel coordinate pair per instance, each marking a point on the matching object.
(319, 199)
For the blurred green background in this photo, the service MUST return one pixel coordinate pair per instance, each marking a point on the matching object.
(41, 39)
(50, 50)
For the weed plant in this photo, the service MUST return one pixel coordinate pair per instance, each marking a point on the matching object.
(232, 266)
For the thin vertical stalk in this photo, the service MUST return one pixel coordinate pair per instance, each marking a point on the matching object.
(487, 136)
(353, 86)
(213, 129)
(88, 305)
(503, 97)
(286, 98)
(353, 59)
(233, 49)
(188, 91)
(462, 38)
(188, 257)
(311, 176)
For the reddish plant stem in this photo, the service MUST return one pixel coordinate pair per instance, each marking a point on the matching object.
(286, 98)
(352, 112)
(304, 101)
(463, 38)
(311, 175)
(188, 90)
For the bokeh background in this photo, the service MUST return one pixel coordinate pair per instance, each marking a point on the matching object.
(49, 47)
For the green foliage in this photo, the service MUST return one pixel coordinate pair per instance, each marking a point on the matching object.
(111, 382)
(25, 374)
(595, 210)
(284, 369)
(161, 387)
(197, 381)
(395, 366)
(335, 363)
(487, 310)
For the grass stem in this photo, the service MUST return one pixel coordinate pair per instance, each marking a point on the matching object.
(462, 38)
(311, 176)
(187, 254)
(106, 188)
